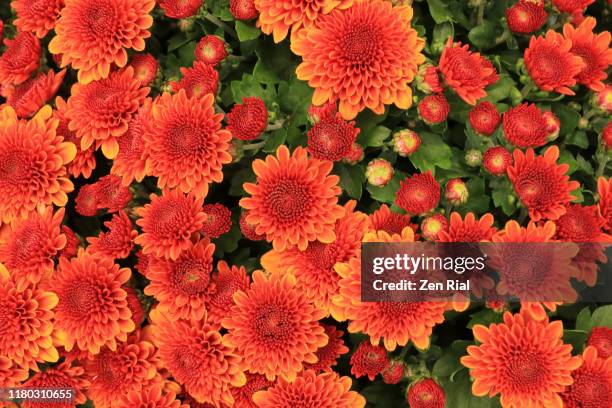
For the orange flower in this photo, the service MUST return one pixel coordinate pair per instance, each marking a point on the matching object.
(550, 63)
(592, 385)
(100, 111)
(468, 229)
(28, 97)
(32, 169)
(375, 51)
(152, 396)
(117, 243)
(523, 360)
(92, 311)
(328, 354)
(27, 314)
(94, 35)
(332, 138)
(277, 17)
(295, 199)
(187, 147)
(72, 243)
(29, 246)
(20, 59)
(225, 282)
(60, 377)
(369, 360)
(243, 396)
(418, 194)
(84, 162)
(37, 16)
(319, 390)
(541, 184)
(593, 49)
(274, 327)
(10, 374)
(601, 339)
(199, 80)
(467, 73)
(168, 222)
(218, 220)
(182, 286)
(198, 357)
(145, 67)
(131, 160)
(604, 188)
(394, 322)
(389, 221)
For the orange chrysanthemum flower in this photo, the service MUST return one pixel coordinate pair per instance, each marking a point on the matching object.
(93, 36)
(274, 327)
(319, 390)
(243, 396)
(523, 360)
(118, 242)
(369, 360)
(131, 160)
(182, 286)
(26, 331)
(199, 80)
(389, 221)
(541, 184)
(180, 8)
(36, 16)
(20, 59)
(376, 54)
(11, 375)
(185, 143)
(145, 67)
(468, 229)
(199, 358)
(604, 189)
(393, 322)
(295, 199)
(601, 339)
(72, 243)
(467, 73)
(61, 377)
(594, 49)
(332, 138)
(168, 223)
(551, 64)
(84, 162)
(225, 282)
(33, 159)
(218, 220)
(29, 246)
(100, 111)
(152, 396)
(27, 98)
(278, 17)
(426, 393)
(92, 311)
(418, 194)
(328, 354)
(592, 385)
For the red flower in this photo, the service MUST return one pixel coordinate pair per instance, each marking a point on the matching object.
(496, 160)
(317, 113)
(332, 138)
(592, 382)
(180, 8)
(86, 202)
(111, 194)
(428, 79)
(426, 393)
(36, 16)
(604, 188)
(328, 354)
(580, 224)
(60, 377)
(20, 59)
(248, 229)
(379, 172)
(406, 142)
(601, 339)
(243, 396)
(394, 373)
(248, 120)
(570, 6)
(369, 360)
(484, 118)
(465, 72)
(199, 80)
(117, 243)
(418, 194)
(525, 17)
(606, 135)
(525, 126)
(468, 229)
(145, 68)
(72, 243)
(225, 282)
(456, 191)
(134, 305)
(28, 97)
(210, 50)
(433, 109)
(389, 221)
(243, 9)
(218, 220)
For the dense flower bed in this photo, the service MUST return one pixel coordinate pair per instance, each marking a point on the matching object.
(185, 186)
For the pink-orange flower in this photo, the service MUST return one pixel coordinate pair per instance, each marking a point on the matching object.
(117, 242)
(604, 188)
(20, 58)
(152, 396)
(243, 396)
(11, 375)
(36, 16)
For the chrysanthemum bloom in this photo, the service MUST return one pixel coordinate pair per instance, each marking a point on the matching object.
(355, 155)
(551, 64)
(134, 305)
(418, 194)
(369, 360)
(484, 118)
(496, 160)
(606, 136)
(318, 390)
(541, 183)
(20, 58)
(525, 17)
(86, 201)
(594, 49)
(111, 194)
(243, 9)
(432, 225)
(467, 73)
(395, 322)
(180, 8)
(27, 314)
(145, 68)
(27, 98)
(36, 16)
(329, 353)
(29, 246)
(406, 142)
(603, 99)
(601, 339)
(525, 126)
(428, 79)
(570, 6)
(317, 113)
(392, 222)
(61, 377)
(210, 50)
(604, 189)
(131, 160)
(225, 282)
(92, 311)
(152, 396)
(218, 220)
(115, 373)
(456, 192)
(198, 80)
(11, 375)
(278, 17)
(523, 360)
(394, 373)
(248, 229)
(379, 172)
(426, 393)
(84, 162)
(92, 36)
(117, 243)
(182, 286)
(185, 143)
(592, 385)
(72, 243)
(243, 396)
(468, 229)
(553, 125)
(377, 55)
(100, 111)
(198, 357)
(295, 199)
(332, 138)
(274, 327)
(433, 109)
(248, 120)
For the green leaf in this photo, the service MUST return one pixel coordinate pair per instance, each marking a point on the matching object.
(583, 320)
(351, 179)
(228, 242)
(567, 116)
(485, 317)
(576, 338)
(502, 191)
(602, 316)
(274, 64)
(187, 54)
(439, 11)
(177, 41)
(578, 138)
(568, 158)
(386, 194)
(276, 139)
(374, 137)
(249, 86)
(500, 89)
(446, 365)
(478, 201)
(432, 152)
(239, 178)
(294, 97)
(173, 65)
(383, 395)
(246, 32)
(483, 36)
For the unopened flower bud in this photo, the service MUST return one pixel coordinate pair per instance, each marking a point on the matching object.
(473, 158)
(456, 192)
(379, 172)
(432, 225)
(406, 142)
(553, 124)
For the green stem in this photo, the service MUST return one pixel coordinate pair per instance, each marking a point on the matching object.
(254, 146)
(481, 10)
(602, 166)
(502, 38)
(526, 89)
(229, 30)
(276, 125)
